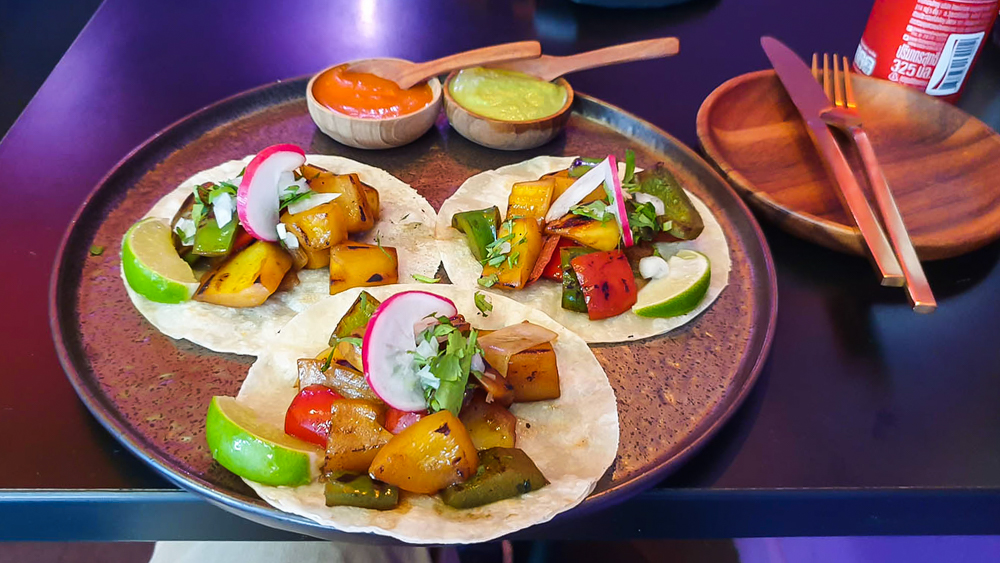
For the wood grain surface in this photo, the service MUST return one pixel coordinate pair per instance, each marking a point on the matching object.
(942, 165)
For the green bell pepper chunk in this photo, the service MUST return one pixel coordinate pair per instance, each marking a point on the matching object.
(349, 489)
(480, 228)
(210, 239)
(572, 294)
(354, 322)
(680, 219)
(502, 473)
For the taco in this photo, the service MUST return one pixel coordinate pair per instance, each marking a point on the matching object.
(548, 232)
(392, 226)
(564, 440)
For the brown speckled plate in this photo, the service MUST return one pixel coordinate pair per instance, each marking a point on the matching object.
(151, 392)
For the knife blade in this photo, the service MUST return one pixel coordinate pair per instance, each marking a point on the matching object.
(811, 101)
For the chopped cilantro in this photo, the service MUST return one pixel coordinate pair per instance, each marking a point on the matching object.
(597, 210)
(483, 303)
(329, 359)
(96, 250)
(444, 369)
(354, 340)
(629, 167)
(424, 279)
(293, 198)
(642, 219)
(488, 281)
(334, 342)
(497, 252)
(378, 242)
(512, 259)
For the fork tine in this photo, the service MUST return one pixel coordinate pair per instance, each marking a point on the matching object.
(838, 89)
(815, 67)
(827, 83)
(848, 87)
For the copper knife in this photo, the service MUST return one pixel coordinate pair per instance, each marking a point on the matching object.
(811, 101)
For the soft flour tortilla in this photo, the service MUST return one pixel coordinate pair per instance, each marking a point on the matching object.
(493, 187)
(573, 439)
(405, 222)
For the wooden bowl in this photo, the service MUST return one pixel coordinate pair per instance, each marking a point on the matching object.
(942, 164)
(374, 133)
(506, 135)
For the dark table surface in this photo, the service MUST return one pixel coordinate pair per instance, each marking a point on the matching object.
(867, 418)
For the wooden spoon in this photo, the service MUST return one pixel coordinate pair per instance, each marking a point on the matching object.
(407, 74)
(549, 68)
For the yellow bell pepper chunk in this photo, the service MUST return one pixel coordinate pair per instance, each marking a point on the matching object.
(525, 238)
(530, 199)
(600, 235)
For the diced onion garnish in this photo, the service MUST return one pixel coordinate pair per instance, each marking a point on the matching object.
(289, 239)
(499, 346)
(185, 228)
(641, 197)
(310, 201)
(427, 348)
(286, 180)
(223, 206)
(427, 378)
(478, 364)
(653, 267)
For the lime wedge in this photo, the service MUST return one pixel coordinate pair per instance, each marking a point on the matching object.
(680, 291)
(254, 449)
(151, 264)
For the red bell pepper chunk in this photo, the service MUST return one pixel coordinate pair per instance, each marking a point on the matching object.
(396, 420)
(308, 417)
(549, 246)
(553, 268)
(607, 282)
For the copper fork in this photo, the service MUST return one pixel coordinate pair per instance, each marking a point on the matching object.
(845, 117)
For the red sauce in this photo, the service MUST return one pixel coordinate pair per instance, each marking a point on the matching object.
(367, 96)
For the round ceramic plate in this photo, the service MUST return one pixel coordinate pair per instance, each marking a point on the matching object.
(940, 162)
(152, 392)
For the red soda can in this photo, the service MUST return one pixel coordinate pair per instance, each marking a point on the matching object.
(925, 44)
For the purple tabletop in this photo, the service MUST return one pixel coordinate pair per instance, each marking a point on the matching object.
(867, 419)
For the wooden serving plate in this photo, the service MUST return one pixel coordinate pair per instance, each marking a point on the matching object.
(942, 165)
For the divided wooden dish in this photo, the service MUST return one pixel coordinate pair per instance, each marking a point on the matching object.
(941, 163)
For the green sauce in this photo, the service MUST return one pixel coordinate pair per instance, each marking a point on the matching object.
(506, 95)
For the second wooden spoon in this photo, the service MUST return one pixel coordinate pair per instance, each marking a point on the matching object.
(549, 67)
(407, 74)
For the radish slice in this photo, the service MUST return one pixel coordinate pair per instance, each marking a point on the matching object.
(617, 195)
(257, 197)
(605, 172)
(579, 190)
(389, 343)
